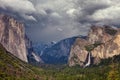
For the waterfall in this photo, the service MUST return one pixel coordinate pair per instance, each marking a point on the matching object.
(89, 60)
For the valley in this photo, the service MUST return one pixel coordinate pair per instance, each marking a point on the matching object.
(92, 57)
(12, 68)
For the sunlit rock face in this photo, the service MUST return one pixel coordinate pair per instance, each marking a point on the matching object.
(108, 49)
(107, 40)
(78, 53)
(101, 34)
(12, 37)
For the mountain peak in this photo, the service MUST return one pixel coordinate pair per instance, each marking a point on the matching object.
(101, 33)
(12, 36)
(103, 42)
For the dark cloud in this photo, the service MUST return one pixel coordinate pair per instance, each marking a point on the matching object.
(98, 11)
(53, 20)
(22, 7)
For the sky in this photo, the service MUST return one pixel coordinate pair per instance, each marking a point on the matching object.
(54, 20)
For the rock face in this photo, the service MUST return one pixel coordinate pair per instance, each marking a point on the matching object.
(108, 49)
(100, 34)
(102, 42)
(78, 53)
(58, 53)
(33, 57)
(12, 37)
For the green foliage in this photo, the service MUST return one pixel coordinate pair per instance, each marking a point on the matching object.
(110, 30)
(90, 47)
(104, 71)
(97, 43)
(113, 75)
(12, 68)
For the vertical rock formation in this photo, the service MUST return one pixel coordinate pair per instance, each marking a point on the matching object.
(78, 53)
(100, 34)
(103, 42)
(33, 58)
(108, 49)
(12, 37)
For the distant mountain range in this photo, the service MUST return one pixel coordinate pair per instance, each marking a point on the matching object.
(59, 52)
(102, 42)
(99, 51)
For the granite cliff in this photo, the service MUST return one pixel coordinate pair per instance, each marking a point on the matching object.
(12, 37)
(15, 41)
(102, 42)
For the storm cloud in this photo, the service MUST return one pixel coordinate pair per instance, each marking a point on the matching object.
(53, 20)
(23, 7)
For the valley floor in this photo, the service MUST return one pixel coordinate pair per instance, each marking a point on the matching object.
(12, 68)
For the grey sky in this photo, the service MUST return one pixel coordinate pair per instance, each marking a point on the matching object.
(53, 20)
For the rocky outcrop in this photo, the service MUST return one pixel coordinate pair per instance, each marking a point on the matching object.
(78, 53)
(102, 42)
(101, 34)
(12, 37)
(33, 58)
(107, 49)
